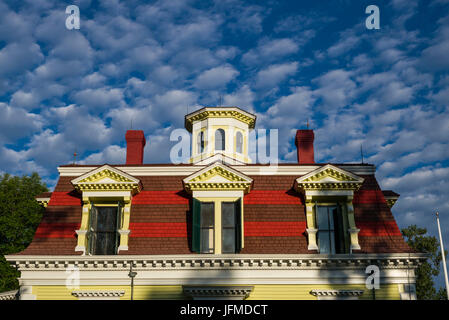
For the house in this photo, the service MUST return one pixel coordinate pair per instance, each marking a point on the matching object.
(218, 227)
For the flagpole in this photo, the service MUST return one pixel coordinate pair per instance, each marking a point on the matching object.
(442, 254)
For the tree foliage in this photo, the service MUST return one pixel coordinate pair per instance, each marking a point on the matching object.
(20, 215)
(418, 239)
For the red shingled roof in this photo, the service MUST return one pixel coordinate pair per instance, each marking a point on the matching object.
(274, 219)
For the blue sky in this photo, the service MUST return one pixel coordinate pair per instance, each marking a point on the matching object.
(286, 61)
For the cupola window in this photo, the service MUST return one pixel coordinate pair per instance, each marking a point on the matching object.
(220, 139)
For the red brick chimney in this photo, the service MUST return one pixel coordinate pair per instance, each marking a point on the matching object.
(135, 142)
(304, 145)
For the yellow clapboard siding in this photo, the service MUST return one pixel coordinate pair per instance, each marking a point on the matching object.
(260, 292)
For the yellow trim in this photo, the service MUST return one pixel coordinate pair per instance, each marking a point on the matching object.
(260, 291)
(351, 234)
(329, 173)
(43, 203)
(121, 183)
(105, 202)
(217, 219)
(219, 114)
(106, 173)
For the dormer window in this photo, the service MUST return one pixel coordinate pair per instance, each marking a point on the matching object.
(103, 236)
(220, 139)
(331, 239)
(239, 142)
(200, 142)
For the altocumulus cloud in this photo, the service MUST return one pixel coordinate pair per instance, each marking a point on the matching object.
(148, 63)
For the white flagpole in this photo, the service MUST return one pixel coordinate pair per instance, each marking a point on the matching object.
(444, 259)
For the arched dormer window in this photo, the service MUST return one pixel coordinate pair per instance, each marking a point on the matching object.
(239, 142)
(200, 142)
(220, 139)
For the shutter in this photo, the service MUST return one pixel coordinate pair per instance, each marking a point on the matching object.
(92, 229)
(118, 226)
(196, 226)
(238, 225)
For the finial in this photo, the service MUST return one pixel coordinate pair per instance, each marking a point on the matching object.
(307, 123)
(74, 157)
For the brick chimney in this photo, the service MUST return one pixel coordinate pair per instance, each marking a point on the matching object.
(135, 142)
(304, 145)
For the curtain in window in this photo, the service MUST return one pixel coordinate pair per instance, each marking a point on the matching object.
(200, 142)
(330, 230)
(103, 230)
(220, 139)
(239, 142)
(203, 224)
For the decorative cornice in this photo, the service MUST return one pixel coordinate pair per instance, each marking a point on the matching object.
(329, 177)
(337, 293)
(43, 201)
(9, 295)
(221, 171)
(231, 179)
(106, 178)
(218, 186)
(186, 170)
(98, 293)
(391, 200)
(330, 186)
(198, 292)
(217, 112)
(225, 261)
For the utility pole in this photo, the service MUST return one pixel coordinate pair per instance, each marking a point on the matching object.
(442, 254)
(132, 274)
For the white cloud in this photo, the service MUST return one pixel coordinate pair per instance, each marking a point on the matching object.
(270, 50)
(274, 74)
(19, 57)
(16, 123)
(100, 98)
(216, 77)
(336, 88)
(111, 154)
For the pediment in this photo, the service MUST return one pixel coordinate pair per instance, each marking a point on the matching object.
(331, 177)
(217, 176)
(106, 178)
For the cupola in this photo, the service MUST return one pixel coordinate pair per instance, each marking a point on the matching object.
(220, 133)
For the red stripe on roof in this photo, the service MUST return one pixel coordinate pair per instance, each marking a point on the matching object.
(158, 229)
(160, 197)
(64, 199)
(378, 228)
(271, 197)
(369, 196)
(57, 230)
(274, 228)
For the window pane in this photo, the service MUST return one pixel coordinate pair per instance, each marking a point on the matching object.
(207, 240)
(332, 242)
(324, 242)
(322, 218)
(228, 240)
(219, 139)
(207, 214)
(105, 244)
(228, 214)
(200, 142)
(239, 142)
(332, 216)
(107, 219)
